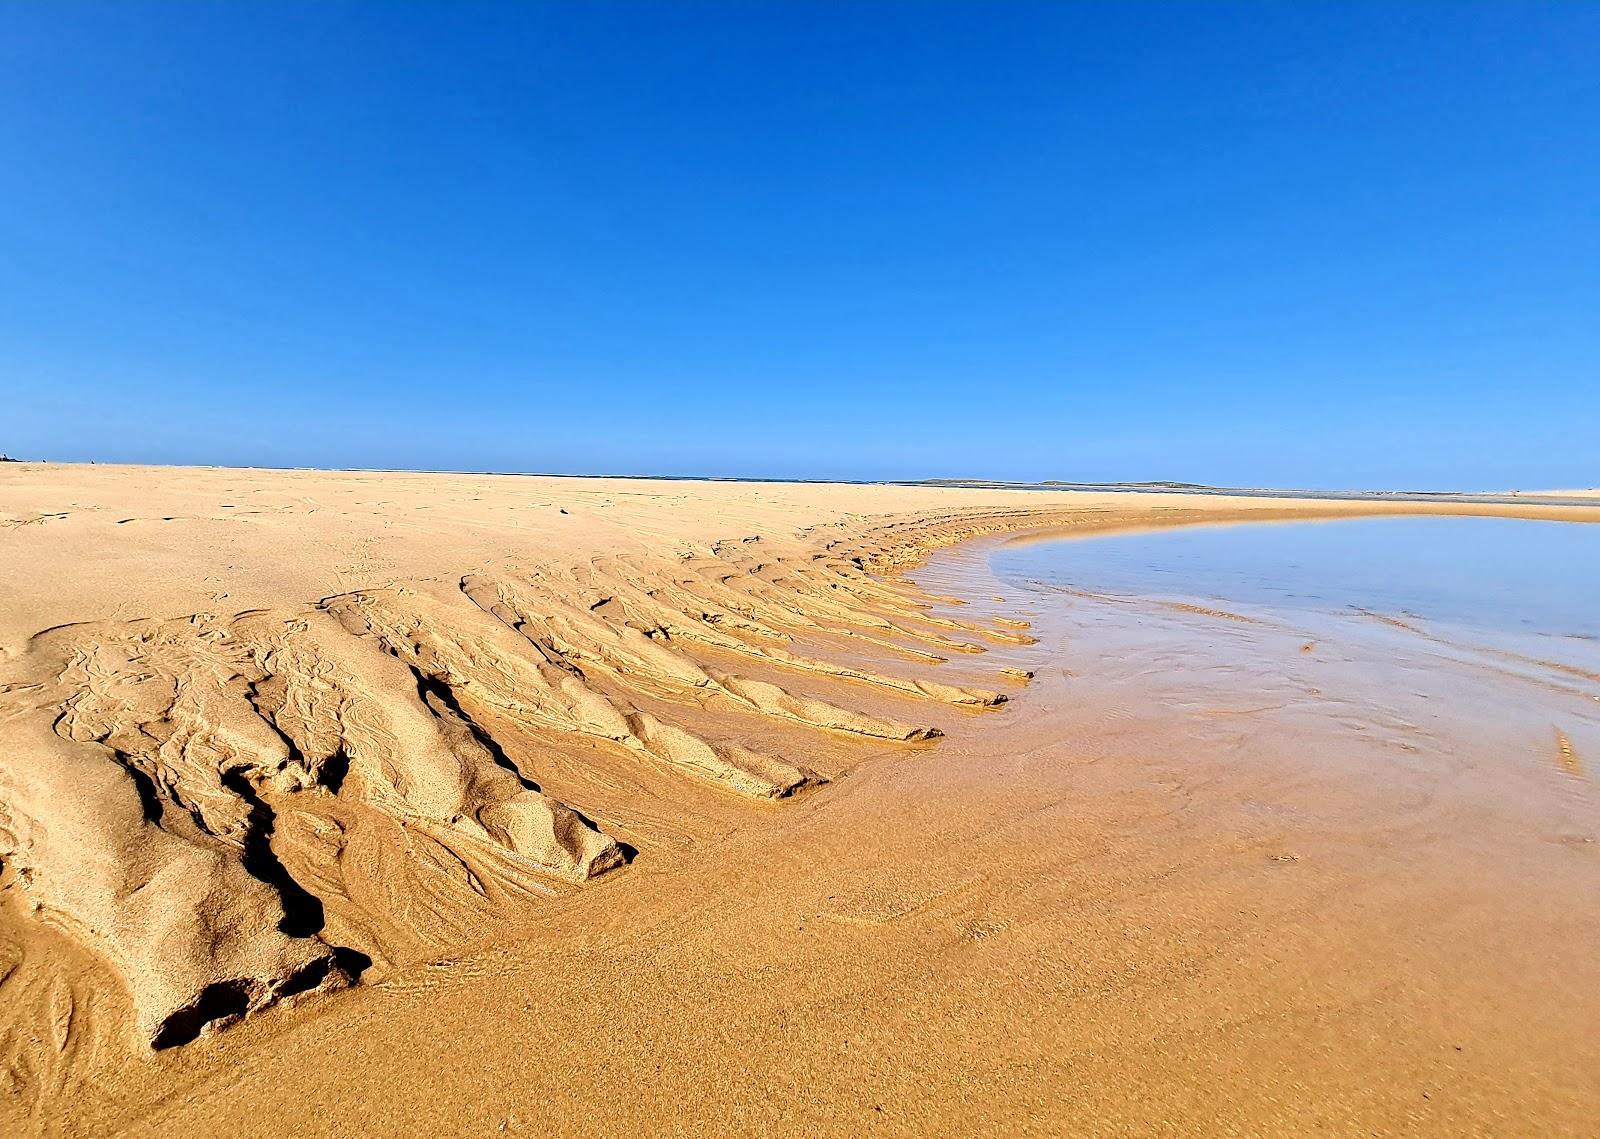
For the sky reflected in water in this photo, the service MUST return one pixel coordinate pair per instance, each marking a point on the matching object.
(1501, 574)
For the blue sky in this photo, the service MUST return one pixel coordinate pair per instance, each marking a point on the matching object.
(1274, 243)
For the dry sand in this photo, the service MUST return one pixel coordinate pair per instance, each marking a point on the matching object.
(339, 803)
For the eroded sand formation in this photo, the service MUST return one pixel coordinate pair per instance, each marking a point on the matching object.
(233, 809)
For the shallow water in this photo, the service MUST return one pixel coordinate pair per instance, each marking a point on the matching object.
(1492, 575)
(1387, 726)
(1463, 644)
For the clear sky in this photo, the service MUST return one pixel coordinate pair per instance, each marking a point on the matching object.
(1336, 244)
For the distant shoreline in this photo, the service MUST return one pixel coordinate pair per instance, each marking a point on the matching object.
(1546, 496)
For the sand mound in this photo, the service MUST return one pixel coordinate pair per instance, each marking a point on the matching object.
(236, 808)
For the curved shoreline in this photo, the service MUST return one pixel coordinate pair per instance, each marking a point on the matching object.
(539, 687)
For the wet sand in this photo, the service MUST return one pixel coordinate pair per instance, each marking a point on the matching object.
(1196, 877)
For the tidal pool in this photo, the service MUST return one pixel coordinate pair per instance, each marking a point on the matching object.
(1495, 575)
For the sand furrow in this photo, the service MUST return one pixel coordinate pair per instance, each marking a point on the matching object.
(274, 800)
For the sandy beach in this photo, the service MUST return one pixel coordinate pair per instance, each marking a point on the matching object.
(791, 569)
(405, 803)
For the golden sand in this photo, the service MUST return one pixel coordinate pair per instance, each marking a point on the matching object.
(376, 803)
